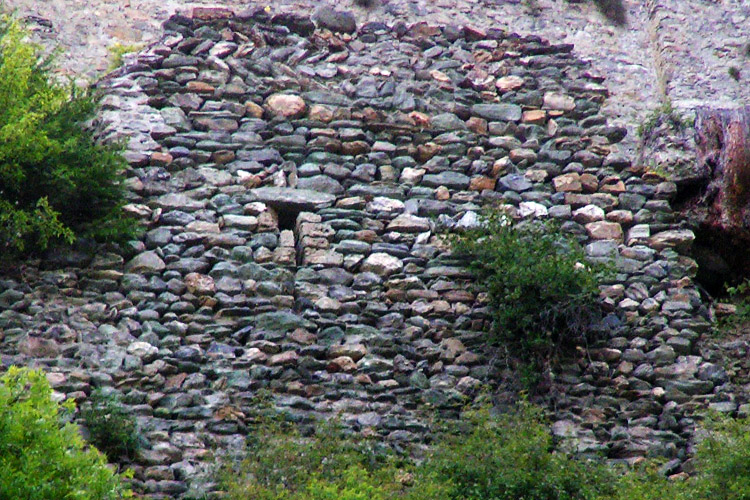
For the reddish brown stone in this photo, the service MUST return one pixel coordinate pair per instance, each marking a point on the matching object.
(286, 105)
(341, 364)
(355, 148)
(477, 125)
(534, 116)
(508, 83)
(474, 34)
(567, 183)
(605, 231)
(200, 87)
(223, 156)
(320, 113)
(522, 154)
(589, 183)
(428, 150)
(459, 296)
(420, 119)
(253, 110)
(200, 284)
(284, 359)
(480, 183)
(159, 159)
(422, 29)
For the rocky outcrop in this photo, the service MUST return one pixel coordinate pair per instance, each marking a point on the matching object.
(293, 185)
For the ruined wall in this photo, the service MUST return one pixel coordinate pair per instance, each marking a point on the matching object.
(292, 182)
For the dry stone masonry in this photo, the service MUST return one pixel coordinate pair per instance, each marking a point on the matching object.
(294, 176)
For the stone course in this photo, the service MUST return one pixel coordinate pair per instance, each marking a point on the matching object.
(294, 183)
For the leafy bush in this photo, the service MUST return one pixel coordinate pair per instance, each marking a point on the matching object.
(55, 181)
(41, 457)
(484, 457)
(281, 464)
(723, 460)
(543, 292)
(112, 429)
(510, 457)
(722, 464)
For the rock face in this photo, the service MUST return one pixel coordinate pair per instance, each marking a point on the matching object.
(718, 195)
(297, 252)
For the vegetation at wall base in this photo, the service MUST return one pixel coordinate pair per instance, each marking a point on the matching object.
(42, 455)
(542, 290)
(484, 457)
(112, 429)
(56, 182)
(280, 463)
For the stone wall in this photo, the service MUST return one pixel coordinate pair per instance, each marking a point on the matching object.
(293, 182)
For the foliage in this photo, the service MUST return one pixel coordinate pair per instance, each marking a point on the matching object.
(112, 429)
(722, 463)
(42, 458)
(543, 293)
(511, 457)
(734, 73)
(55, 181)
(646, 483)
(723, 460)
(484, 457)
(665, 114)
(118, 51)
(739, 296)
(281, 464)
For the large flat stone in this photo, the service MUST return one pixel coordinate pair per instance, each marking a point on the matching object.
(292, 198)
(497, 112)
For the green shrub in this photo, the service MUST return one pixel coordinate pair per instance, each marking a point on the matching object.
(508, 458)
(42, 458)
(484, 457)
(722, 464)
(55, 181)
(646, 483)
(723, 460)
(543, 293)
(281, 464)
(112, 429)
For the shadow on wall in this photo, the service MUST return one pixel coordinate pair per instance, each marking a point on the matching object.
(613, 10)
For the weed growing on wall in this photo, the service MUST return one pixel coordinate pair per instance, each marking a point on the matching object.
(118, 51)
